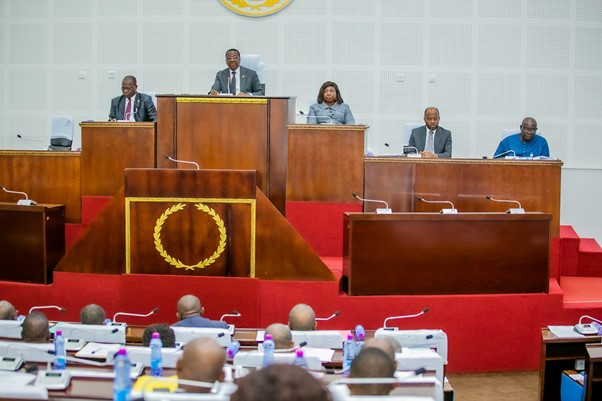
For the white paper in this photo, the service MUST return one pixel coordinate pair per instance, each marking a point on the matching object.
(97, 350)
(564, 332)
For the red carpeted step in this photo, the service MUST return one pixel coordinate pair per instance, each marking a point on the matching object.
(91, 206)
(582, 292)
(72, 233)
(569, 251)
(590, 258)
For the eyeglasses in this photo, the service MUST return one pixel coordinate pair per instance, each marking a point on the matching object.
(232, 58)
(533, 130)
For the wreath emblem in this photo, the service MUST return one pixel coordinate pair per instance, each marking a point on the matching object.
(176, 262)
(255, 8)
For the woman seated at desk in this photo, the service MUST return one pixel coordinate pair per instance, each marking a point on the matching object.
(330, 108)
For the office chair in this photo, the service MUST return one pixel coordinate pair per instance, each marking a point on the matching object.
(253, 62)
(61, 136)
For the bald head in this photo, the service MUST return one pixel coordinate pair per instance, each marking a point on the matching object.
(189, 305)
(384, 344)
(35, 328)
(302, 317)
(371, 363)
(7, 311)
(92, 314)
(202, 360)
(281, 335)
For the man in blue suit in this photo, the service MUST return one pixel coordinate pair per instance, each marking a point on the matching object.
(132, 106)
(190, 313)
(236, 80)
(438, 143)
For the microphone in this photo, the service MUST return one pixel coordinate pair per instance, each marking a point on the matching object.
(503, 153)
(406, 151)
(323, 319)
(47, 307)
(29, 140)
(422, 312)
(587, 329)
(232, 314)
(386, 210)
(20, 202)
(512, 210)
(134, 314)
(183, 161)
(453, 210)
(316, 117)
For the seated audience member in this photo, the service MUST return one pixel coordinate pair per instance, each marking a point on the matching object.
(394, 343)
(132, 105)
(371, 363)
(203, 360)
(431, 140)
(92, 314)
(35, 328)
(281, 335)
(330, 108)
(302, 317)
(526, 143)
(385, 344)
(7, 311)
(190, 312)
(280, 383)
(168, 338)
(236, 80)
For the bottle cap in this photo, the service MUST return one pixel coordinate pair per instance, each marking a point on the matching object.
(156, 335)
(230, 353)
(299, 353)
(349, 336)
(122, 351)
(59, 333)
(267, 337)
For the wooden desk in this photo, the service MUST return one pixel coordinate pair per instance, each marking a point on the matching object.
(594, 372)
(32, 241)
(392, 254)
(557, 355)
(465, 182)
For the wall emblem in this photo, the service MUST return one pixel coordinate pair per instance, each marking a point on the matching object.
(255, 8)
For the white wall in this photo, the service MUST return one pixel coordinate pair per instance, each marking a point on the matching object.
(581, 200)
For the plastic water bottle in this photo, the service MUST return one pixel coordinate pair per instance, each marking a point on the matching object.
(360, 334)
(300, 359)
(156, 365)
(348, 353)
(232, 349)
(268, 350)
(122, 384)
(59, 351)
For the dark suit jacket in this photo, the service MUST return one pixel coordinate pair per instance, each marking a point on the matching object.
(199, 321)
(249, 82)
(142, 107)
(442, 145)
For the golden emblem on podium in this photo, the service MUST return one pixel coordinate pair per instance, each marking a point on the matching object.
(255, 8)
(176, 262)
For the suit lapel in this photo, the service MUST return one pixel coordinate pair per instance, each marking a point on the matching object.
(243, 78)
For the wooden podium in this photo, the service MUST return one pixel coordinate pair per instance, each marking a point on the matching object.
(225, 132)
(32, 240)
(433, 254)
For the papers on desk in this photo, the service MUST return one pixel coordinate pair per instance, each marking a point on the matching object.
(16, 378)
(564, 332)
(323, 354)
(98, 350)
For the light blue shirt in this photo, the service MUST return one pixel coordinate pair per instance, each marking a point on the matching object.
(538, 146)
(322, 113)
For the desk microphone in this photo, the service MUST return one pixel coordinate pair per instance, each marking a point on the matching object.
(422, 312)
(231, 314)
(316, 117)
(134, 314)
(29, 140)
(503, 153)
(21, 202)
(512, 210)
(183, 161)
(47, 307)
(453, 210)
(323, 319)
(386, 210)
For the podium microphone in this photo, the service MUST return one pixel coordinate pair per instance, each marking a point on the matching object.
(453, 210)
(29, 140)
(386, 210)
(503, 153)
(231, 314)
(422, 312)
(134, 314)
(183, 161)
(47, 307)
(512, 210)
(323, 319)
(20, 202)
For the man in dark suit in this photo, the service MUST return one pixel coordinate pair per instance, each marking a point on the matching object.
(236, 80)
(438, 143)
(132, 106)
(190, 312)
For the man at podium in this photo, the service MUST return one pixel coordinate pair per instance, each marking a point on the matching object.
(431, 140)
(236, 80)
(131, 105)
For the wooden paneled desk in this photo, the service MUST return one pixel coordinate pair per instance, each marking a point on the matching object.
(594, 372)
(557, 355)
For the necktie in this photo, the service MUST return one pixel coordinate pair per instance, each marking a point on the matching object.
(430, 146)
(128, 110)
(233, 83)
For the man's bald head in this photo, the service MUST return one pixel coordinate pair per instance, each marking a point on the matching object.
(371, 363)
(92, 314)
(35, 328)
(302, 317)
(189, 305)
(7, 311)
(202, 360)
(384, 344)
(281, 335)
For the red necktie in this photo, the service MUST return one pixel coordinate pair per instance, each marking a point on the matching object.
(128, 110)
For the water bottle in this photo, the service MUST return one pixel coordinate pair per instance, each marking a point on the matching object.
(268, 350)
(300, 359)
(122, 384)
(348, 353)
(156, 364)
(360, 334)
(59, 351)
(232, 349)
